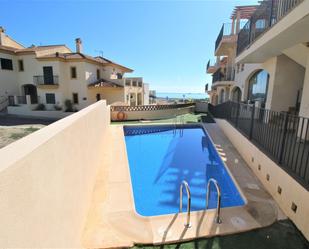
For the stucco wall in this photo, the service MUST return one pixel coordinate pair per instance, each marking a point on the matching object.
(292, 191)
(111, 95)
(8, 78)
(304, 107)
(288, 78)
(242, 78)
(47, 179)
(152, 115)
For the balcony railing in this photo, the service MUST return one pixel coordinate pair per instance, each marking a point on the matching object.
(41, 80)
(226, 30)
(266, 15)
(282, 136)
(229, 75)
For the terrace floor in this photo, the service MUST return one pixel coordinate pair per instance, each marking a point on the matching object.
(281, 235)
(114, 223)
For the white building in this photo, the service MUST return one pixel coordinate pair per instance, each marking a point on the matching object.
(53, 75)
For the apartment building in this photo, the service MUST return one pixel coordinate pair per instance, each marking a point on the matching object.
(275, 37)
(271, 127)
(228, 77)
(52, 75)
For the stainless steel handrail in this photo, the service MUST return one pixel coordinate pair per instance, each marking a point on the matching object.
(184, 183)
(212, 180)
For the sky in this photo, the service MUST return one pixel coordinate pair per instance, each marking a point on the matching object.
(168, 43)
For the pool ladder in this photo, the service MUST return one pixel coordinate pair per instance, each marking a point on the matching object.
(212, 180)
(181, 121)
(186, 185)
(218, 209)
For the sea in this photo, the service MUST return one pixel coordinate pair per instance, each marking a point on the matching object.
(188, 96)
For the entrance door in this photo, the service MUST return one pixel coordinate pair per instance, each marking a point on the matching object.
(31, 90)
(98, 96)
(48, 75)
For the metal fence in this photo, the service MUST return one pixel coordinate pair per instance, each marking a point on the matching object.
(281, 136)
(227, 29)
(229, 75)
(266, 15)
(41, 80)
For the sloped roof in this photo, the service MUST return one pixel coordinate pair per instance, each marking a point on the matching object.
(76, 56)
(105, 83)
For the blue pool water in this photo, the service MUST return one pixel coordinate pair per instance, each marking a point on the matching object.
(160, 160)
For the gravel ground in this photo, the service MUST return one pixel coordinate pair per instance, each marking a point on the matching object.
(9, 134)
(13, 128)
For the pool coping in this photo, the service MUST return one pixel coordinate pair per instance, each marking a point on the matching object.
(113, 221)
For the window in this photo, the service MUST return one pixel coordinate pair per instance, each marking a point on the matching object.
(242, 67)
(98, 74)
(21, 65)
(128, 82)
(140, 84)
(238, 67)
(50, 98)
(260, 24)
(75, 98)
(134, 83)
(73, 73)
(258, 83)
(119, 76)
(6, 64)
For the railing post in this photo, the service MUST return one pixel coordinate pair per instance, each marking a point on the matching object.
(237, 114)
(285, 130)
(252, 122)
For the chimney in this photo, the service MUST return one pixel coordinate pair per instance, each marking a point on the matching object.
(79, 47)
(2, 35)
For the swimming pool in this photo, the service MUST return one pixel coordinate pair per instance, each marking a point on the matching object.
(160, 158)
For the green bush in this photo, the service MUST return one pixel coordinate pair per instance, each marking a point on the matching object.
(40, 107)
(68, 106)
(57, 107)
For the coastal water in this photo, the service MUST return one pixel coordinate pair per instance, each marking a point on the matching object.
(182, 95)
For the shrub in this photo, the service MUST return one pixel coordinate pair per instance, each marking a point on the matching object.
(57, 107)
(40, 107)
(68, 106)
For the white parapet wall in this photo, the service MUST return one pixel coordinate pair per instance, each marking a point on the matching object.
(201, 107)
(140, 114)
(47, 180)
(291, 191)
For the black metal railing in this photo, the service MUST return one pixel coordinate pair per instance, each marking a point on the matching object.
(281, 136)
(226, 30)
(149, 107)
(229, 75)
(266, 15)
(41, 80)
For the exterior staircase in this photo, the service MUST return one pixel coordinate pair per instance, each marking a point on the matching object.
(3, 104)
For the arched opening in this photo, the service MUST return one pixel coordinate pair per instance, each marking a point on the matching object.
(32, 91)
(221, 96)
(236, 94)
(257, 87)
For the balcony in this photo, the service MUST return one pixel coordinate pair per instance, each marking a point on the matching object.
(46, 82)
(223, 79)
(267, 14)
(225, 40)
(212, 67)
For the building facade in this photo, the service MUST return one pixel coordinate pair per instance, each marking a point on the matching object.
(228, 77)
(266, 61)
(55, 76)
